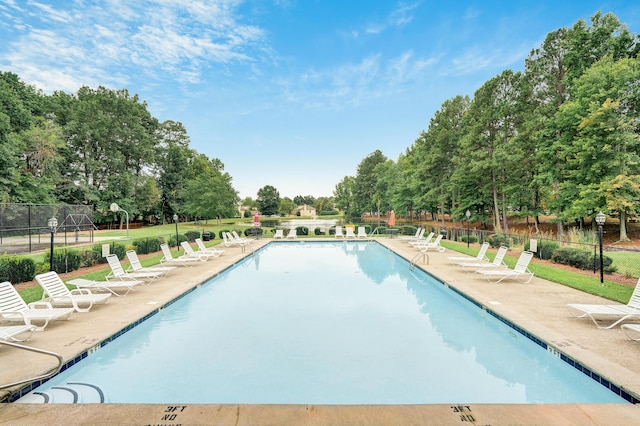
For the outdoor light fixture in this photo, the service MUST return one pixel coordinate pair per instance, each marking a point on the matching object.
(52, 223)
(175, 219)
(468, 215)
(600, 218)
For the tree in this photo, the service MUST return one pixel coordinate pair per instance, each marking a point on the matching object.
(286, 206)
(208, 192)
(19, 104)
(365, 196)
(173, 156)
(603, 164)
(434, 154)
(307, 199)
(110, 137)
(488, 150)
(268, 200)
(344, 195)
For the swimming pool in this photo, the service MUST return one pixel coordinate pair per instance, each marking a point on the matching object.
(327, 323)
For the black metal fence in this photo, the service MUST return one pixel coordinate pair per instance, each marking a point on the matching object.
(24, 228)
(624, 260)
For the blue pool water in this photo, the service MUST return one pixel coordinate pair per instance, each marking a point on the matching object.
(328, 323)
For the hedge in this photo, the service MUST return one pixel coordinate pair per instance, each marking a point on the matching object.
(17, 269)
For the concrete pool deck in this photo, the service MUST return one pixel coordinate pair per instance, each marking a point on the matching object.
(539, 307)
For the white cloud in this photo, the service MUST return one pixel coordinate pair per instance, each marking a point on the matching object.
(402, 15)
(49, 13)
(353, 84)
(159, 39)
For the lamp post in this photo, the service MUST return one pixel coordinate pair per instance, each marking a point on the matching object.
(52, 223)
(175, 219)
(600, 218)
(468, 215)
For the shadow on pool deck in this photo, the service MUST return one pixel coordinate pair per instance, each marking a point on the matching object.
(538, 307)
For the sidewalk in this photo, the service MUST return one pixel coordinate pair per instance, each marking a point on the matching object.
(538, 307)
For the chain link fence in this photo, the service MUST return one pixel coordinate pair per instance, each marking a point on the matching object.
(24, 228)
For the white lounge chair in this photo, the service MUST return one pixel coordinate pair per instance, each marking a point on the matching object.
(13, 308)
(339, 233)
(240, 239)
(118, 273)
(231, 241)
(136, 266)
(10, 332)
(435, 245)
(57, 293)
(167, 257)
(632, 331)
(117, 288)
(362, 232)
(293, 234)
(208, 250)
(279, 234)
(481, 256)
(348, 232)
(419, 232)
(497, 261)
(422, 240)
(616, 313)
(519, 272)
(190, 252)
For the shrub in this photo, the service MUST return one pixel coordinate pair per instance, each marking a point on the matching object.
(221, 232)
(116, 248)
(192, 235)
(146, 245)
(329, 213)
(253, 232)
(380, 229)
(181, 238)
(65, 260)
(17, 269)
(319, 231)
(581, 259)
(406, 230)
(472, 239)
(302, 230)
(545, 249)
(89, 258)
(498, 240)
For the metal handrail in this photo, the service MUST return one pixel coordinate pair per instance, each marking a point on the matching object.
(414, 260)
(40, 351)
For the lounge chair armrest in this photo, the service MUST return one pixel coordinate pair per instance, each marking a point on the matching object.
(7, 314)
(40, 304)
(80, 291)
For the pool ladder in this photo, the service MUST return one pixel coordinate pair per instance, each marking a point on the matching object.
(414, 260)
(40, 351)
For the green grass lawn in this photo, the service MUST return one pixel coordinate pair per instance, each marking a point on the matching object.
(610, 290)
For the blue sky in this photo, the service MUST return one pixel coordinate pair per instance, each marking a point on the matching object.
(288, 93)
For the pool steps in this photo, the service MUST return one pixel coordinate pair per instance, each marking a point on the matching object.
(69, 393)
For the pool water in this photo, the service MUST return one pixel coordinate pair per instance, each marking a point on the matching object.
(328, 323)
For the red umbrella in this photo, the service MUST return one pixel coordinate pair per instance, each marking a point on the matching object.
(256, 219)
(392, 218)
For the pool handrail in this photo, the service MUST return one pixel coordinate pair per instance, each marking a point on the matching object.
(40, 351)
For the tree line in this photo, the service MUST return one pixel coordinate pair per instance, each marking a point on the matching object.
(559, 138)
(100, 146)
